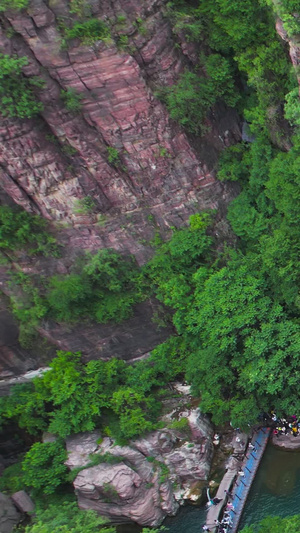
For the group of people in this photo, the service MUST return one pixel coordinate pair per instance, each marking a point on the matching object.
(284, 426)
(225, 524)
(281, 426)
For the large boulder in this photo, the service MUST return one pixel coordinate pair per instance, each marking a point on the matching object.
(146, 480)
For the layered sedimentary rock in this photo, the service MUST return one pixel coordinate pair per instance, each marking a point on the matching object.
(148, 477)
(157, 170)
(157, 176)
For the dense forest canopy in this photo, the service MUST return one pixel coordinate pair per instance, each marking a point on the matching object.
(235, 309)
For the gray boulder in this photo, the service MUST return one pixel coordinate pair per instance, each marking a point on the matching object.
(9, 516)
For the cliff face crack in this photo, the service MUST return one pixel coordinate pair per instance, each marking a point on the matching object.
(4, 183)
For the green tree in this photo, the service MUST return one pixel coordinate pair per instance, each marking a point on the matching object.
(67, 518)
(275, 524)
(89, 31)
(135, 411)
(43, 466)
(106, 289)
(69, 296)
(190, 99)
(25, 407)
(20, 229)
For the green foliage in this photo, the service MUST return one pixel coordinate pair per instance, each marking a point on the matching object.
(275, 524)
(67, 518)
(68, 297)
(109, 492)
(16, 96)
(43, 466)
(18, 229)
(11, 479)
(28, 307)
(292, 107)
(84, 206)
(25, 407)
(68, 149)
(73, 397)
(72, 100)
(133, 409)
(15, 5)
(181, 424)
(233, 164)
(80, 8)
(190, 99)
(170, 270)
(140, 26)
(113, 156)
(106, 289)
(243, 32)
(89, 31)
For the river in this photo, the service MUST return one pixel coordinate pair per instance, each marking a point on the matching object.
(275, 491)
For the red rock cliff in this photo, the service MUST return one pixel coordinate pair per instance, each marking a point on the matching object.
(49, 163)
(158, 171)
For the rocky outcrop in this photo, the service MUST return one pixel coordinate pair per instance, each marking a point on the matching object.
(288, 442)
(9, 516)
(144, 481)
(157, 169)
(132, 340)
(23, 501)
(51, 164)
(293, 42)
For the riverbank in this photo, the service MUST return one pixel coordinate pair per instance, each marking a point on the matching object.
(286, 442)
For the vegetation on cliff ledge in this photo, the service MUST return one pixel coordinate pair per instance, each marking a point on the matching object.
(17, 98)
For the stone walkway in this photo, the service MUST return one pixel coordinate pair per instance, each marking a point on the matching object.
(239, 446)
(242, 487)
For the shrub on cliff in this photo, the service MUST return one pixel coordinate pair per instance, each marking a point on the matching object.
(43, 466)
(5, 5)
(190, 99)
(16, 96)
(19, 229)
(106, 289)
(88, 31)
(72, 100)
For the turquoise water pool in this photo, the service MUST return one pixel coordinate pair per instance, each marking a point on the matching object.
(276, 488)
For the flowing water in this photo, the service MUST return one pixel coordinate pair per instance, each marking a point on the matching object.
(275, 491)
